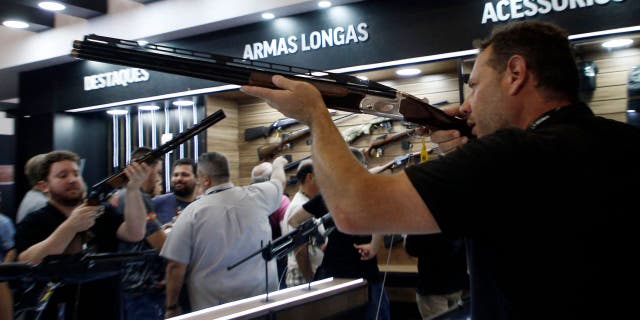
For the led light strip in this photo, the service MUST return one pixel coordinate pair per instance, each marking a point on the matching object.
(271, 305)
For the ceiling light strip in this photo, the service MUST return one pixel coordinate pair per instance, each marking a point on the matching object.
(604, 32)
(159, 97)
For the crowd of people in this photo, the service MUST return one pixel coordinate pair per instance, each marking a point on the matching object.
(521, 215)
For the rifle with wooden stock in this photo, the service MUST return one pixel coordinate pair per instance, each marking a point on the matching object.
(100, 191)
(377, 144)
(269, 150)
(339, 91)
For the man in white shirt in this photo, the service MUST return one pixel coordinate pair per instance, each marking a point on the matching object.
(225, 225)
(304, 260)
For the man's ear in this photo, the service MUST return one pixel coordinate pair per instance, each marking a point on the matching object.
(517, 74)
(42, 186)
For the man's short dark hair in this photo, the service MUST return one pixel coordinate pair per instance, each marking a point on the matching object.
(56, 156)
(140, 152)
(546, 49)
(305, 168)
(214, 165)
(187, 162)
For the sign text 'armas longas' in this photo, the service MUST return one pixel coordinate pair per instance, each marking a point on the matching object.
(336, 36)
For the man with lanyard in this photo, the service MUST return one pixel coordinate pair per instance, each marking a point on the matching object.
(549, 227)
(226, 224)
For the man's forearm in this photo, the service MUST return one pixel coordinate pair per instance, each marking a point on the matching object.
(302, 258)
(175, 272)
(135, 216)
(56, 243)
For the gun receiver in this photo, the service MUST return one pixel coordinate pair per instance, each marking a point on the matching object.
(341, 92)
(98, 192)
(269, 150)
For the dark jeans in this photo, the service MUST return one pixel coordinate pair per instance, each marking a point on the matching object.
(376, 294)
(147, 306)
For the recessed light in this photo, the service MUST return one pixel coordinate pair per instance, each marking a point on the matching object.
(617, 43)
(148, 107)
(324, 4)
(15, 24)
(52, 5)
(117, 112)
(363, 78)
(182, 103)
(268, 16)
(408, 72)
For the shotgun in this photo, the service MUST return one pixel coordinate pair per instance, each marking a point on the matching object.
(377, 144)
(100, 191)
(269, 150)
(339, 91)
(265, 131)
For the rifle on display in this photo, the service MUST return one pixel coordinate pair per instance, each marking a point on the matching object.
(294, 164)
(280, 247)
(351, 134)
(341, 92)
(100, 191)
(269, 150)
(400, 161)
(377, 144)
(266, 131)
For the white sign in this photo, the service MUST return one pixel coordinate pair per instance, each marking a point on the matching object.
(505, 10)
(122, 77)
(336, 36)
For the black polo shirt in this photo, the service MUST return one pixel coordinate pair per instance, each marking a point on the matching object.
(548, 214)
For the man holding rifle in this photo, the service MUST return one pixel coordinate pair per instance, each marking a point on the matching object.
(65, 223)
(548, 225)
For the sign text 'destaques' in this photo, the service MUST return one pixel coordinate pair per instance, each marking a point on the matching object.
(315, 40)
(122, 77)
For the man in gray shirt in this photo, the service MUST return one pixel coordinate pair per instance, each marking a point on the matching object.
(225, 225)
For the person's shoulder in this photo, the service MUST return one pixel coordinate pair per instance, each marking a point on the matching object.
(37, 217)
(169, 196)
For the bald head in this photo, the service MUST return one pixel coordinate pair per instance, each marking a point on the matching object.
(261, 172)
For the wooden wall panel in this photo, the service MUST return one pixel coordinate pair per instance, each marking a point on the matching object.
(610, 98)
(223, 136)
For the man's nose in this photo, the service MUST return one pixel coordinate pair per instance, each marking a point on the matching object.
(465, 107)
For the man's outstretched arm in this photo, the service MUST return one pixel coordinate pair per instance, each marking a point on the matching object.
(359, 202)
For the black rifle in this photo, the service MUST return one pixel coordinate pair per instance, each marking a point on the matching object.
(280, 247)
(100, 191)
(339, 91)
(265, 131)
(294, 164)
